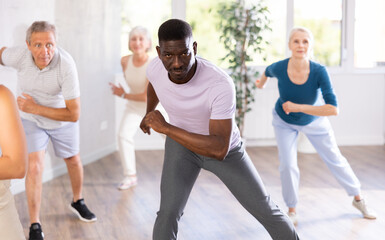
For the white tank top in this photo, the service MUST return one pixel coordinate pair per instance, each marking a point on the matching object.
(136, 76)
(136, 80)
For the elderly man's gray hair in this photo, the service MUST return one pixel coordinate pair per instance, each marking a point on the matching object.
(40, 26)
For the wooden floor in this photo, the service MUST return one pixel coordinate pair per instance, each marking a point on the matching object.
(212, 213)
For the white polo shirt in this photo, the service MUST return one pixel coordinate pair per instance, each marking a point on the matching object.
(49, 87)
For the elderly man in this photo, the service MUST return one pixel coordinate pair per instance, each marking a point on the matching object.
(48, 98)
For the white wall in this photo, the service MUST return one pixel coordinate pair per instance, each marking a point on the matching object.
(360, 121)
(361, 101)
(90, 31)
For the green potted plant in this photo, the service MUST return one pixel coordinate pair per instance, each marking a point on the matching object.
(242, 25)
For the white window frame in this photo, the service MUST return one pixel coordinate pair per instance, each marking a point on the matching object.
(178, 9)
(347, 35)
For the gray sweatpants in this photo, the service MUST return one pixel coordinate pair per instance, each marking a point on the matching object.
(180, 170)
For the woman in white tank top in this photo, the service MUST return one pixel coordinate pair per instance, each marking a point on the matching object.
(13, 164)
(134, 69)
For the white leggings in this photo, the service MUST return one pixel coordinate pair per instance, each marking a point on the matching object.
(321, 135)
(127, 130)
(129, 125)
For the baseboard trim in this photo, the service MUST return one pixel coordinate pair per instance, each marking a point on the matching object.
(360, 140)
(150, 144)
(341, 141)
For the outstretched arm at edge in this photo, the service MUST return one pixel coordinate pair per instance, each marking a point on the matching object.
(13, 161)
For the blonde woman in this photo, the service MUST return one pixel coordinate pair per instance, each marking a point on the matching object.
(300, 82)
(13, 164)
(134, 69)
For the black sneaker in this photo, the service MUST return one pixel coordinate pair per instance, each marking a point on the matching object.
(79, 208)
(35, 232)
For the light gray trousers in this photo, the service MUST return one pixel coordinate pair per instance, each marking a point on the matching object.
(321, 135)
(180, 170)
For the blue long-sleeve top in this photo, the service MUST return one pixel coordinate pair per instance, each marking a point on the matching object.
(317, 83)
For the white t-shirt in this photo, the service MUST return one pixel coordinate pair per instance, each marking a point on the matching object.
(210, 94)
(49, 87)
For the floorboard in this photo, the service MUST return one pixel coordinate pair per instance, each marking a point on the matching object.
(212, 213)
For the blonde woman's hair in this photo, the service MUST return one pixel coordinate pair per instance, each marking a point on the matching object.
(308, 32)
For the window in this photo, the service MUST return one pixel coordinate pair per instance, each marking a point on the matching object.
(356, 26)
(323, 19)
(369, 34)
(147, 13)
(207, 34)
(203, 18)
(275, 51)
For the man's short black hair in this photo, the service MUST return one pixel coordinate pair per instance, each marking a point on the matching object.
(174, 29)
